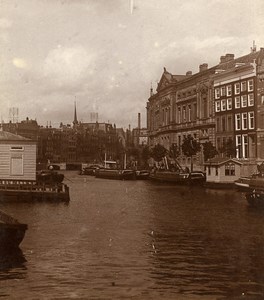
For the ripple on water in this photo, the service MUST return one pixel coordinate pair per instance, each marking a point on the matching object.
(138, 240)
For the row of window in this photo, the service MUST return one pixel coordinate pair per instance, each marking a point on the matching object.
(240, 101)
(244, 121)
(229, 170)
(187, 113)
(238, 87)
(224, 124)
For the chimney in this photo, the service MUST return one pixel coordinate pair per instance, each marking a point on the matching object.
(188, 73)
(229, 57)
(203, 67)
(139, 121)
(222, 59)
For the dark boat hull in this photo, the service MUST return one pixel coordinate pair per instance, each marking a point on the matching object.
(255, 199)
(11, 235)
(11, 232)
(192, 178)
(49, 177)
(170, 177)
(28, 190)
(255, 193)
(115, 174)
(142, 175)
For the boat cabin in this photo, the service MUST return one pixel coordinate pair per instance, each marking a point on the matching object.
(18, 157)
(110, 164)
(222, 170)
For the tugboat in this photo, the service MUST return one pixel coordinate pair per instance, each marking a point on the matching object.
(176, 174)
(243, 183)
(49, 176)
(90, 170)
(11, 232)
(111, 171)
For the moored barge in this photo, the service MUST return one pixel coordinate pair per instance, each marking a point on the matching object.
(30, 190)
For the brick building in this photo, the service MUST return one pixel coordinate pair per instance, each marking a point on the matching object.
(217, 104)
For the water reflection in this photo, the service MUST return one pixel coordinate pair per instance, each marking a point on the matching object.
(209, 245)
(123, 240)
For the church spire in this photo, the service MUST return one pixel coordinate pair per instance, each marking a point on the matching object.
(75, 121)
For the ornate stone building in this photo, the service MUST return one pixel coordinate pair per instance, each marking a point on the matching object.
(182, 106)
(189, 105)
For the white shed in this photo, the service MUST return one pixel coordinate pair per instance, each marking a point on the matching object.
(17, 157)
(223, 170)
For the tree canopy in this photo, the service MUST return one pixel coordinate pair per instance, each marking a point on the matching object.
(190, 146)
(209, 150)
(158, 152)
(229, 148)
(174, 151)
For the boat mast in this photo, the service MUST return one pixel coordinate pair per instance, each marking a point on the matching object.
(125, 161)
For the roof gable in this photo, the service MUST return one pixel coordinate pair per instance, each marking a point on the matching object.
(222, 161)
(7, 136)
(168, 78)
(165, 79)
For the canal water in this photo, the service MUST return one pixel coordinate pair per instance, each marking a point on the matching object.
(136, 240)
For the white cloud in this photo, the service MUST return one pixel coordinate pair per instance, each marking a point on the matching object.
(68, 65)
(19, 63)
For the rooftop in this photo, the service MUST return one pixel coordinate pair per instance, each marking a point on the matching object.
(7, 136)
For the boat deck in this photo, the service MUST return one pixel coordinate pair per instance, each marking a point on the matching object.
(28, 190)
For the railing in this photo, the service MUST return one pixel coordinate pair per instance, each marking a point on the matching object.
(32, 186)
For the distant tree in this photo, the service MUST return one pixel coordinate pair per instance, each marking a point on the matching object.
(229, 148)
(145, 155)
(133, 151)
(174, 151)
(158, 152)
(209, 150)
(190, 147)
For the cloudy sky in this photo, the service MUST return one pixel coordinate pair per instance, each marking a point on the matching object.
(105, 53)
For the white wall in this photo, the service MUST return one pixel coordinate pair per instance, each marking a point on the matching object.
(29, 160)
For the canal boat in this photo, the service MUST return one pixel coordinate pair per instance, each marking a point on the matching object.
(255, 193)
(242, 184)
(197, 178)
(169, 176)
(49, 176)
(115, 174)
(178, 177)
(90, 170)
(112, 171)
(142, 174)
(31, 190)
(11, 232)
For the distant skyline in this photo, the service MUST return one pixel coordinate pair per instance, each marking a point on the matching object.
(104, 54)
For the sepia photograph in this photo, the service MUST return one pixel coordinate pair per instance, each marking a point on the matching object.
(132, 149)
